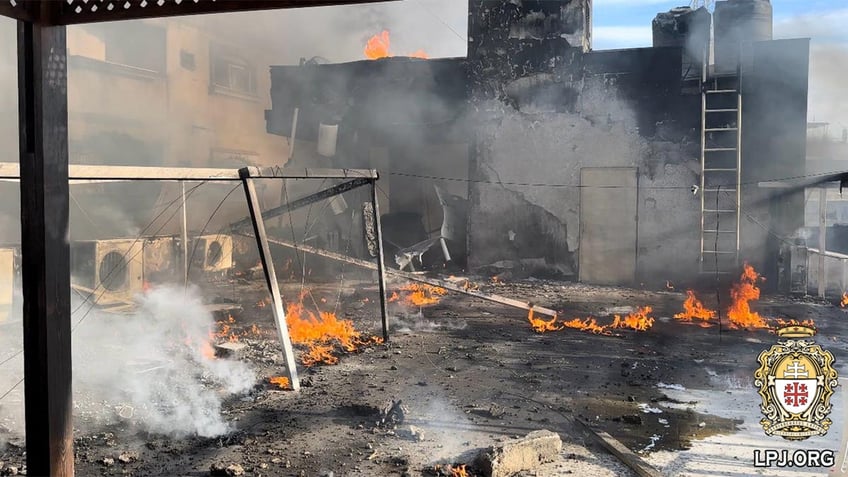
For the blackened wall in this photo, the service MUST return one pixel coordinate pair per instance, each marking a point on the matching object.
(774, 134)
(600, 109)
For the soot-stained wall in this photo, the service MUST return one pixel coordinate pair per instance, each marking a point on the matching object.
(603, 109)
(545, 107)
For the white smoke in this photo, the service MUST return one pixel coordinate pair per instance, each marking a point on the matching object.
(150, 367)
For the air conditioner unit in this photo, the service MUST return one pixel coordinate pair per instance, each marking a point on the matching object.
(108, 271)
(212, 253)
(161, 259)
(7, 282)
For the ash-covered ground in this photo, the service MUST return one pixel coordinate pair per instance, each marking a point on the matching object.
(468, 373)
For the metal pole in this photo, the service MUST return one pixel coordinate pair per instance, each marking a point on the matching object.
(703, 85)
(270, 277)
(381, 265)
(184, 236)
(822, 239)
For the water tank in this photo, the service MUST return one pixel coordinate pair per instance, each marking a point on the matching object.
(688, 29)
(737, 23)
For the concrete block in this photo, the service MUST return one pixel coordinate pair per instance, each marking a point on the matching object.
(230, 349)
(526, 453)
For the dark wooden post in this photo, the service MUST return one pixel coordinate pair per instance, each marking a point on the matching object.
(43, 109)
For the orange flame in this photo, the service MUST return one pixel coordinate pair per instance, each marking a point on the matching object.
(638, 320)
(779, 323)
(452, 470)
(322, 333)
(588, 324)
(844, 302)
(378, 47)
(419, 294)
(742, 293)
(541, 326)
(280, 381)
(207, 351)
(496, 280)
(693, 309)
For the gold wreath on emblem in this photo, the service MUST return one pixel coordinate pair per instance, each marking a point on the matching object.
(795, 381)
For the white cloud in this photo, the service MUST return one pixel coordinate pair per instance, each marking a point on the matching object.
(606, 37)
(822, 27)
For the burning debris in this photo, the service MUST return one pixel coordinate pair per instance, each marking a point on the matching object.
(742, 293)
(844, 301)
(418, 294)
(450, 470)
(378, 47)
(280, 381)
(693, 310)
(322, 333)
(638, 320)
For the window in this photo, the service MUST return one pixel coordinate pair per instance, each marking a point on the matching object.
(231, 73)
(187, 60)
(134, 44)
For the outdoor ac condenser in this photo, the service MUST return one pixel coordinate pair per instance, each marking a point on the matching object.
(108, 271)
(212, 253)
(161, 260)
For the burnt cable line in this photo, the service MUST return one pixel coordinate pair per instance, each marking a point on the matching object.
(581, 186)
(715, 254)
(301, 263)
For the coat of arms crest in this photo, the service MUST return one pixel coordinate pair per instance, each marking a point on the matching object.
(795, 381)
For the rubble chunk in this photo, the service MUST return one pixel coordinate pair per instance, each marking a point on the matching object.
(521, 454)
(230, 349)
(224, 470)
(127, 457)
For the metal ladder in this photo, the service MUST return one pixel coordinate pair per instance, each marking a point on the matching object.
(721, 172)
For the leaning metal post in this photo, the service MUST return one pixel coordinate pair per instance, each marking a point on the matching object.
(381, 266)
(270, 275)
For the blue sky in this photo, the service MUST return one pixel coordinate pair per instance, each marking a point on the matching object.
(627, 23)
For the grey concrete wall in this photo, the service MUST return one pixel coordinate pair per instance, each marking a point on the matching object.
(550, 148)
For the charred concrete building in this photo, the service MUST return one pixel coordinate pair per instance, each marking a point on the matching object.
(570, 161)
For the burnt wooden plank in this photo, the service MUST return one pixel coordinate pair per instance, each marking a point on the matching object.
(621, 452)
(79, 11)
(43, 113)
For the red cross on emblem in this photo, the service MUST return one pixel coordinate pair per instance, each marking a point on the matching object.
(795, 394)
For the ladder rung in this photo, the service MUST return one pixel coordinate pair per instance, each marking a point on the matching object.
(721, 211)
(714, 272)
(719, 149)
(720, 170)
(728, 110)
(718, 252)
(720, 190)
(719, 231)
(721, 91)
(720, 129)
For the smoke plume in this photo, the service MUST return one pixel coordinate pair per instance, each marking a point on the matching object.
(153, 367)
